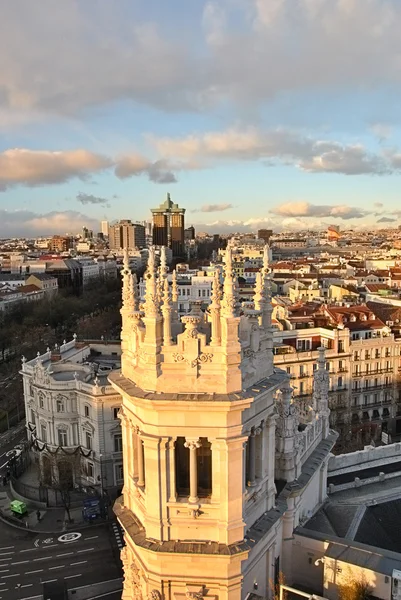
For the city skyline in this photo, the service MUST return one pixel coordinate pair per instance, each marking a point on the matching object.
(242, 128)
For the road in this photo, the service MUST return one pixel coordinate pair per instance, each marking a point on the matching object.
(27, 560)
(4, 448)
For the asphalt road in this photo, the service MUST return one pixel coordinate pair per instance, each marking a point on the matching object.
(4, 448)
(27, 560)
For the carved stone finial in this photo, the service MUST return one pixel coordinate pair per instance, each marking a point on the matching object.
(75, 337)
(191, 323)
(266, 267)
(151, 304)
(229, 301)
(23, 359)
(259, 298)
(174, 287)
(216, 291)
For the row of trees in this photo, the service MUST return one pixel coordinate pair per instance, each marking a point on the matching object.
(29, 327)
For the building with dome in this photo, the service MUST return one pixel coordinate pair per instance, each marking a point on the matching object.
(219, 469)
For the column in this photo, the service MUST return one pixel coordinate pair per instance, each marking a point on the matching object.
(271, 456)
(252, 458)
(141, 466)
(193, 445)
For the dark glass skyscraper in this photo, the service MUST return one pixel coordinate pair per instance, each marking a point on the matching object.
(168, 226)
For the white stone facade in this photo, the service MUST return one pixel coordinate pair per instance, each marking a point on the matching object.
(218, 469)
(71, 415)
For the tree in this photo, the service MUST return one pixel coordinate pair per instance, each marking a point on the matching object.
(66, 467)
(276, 585)
(354, 587)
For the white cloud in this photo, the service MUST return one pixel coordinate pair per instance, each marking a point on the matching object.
(208, 208)
(305, 209)
(39, 167)
(90, 53)
(30, 224)
(282, 145)
(158, 171)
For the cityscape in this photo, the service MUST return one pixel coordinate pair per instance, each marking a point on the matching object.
(200, 300)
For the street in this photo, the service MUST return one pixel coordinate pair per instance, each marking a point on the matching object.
(6, 447)
(80, 558)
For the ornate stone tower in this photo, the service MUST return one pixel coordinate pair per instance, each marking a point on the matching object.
(199, 408)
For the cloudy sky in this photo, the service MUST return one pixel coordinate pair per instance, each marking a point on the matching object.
(278, 113)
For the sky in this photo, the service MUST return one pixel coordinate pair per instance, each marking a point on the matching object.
(282, 114)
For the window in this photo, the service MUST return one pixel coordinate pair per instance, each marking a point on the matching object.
(340, 382)
(33, 418)
(288, 369)
(115, 412)
(118, 443)
(41, 402)
(356, 355)
(314, 367)
(301, 388)
(119, 473)
(303, 345)
(204, 456)
(90, 470)
(43, 433)
(365, 400)
(88, 440)
(87, 410)
(182, 467)
(62, 437)
(341, 346)
(60, 406)
(301, 371)
(367, 355)
(340, 365)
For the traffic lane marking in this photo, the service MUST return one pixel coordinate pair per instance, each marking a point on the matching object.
(32, 572)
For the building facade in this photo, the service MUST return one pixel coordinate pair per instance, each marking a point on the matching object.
(126, 234)
(72, 416)
(168, 227)
(218, 469)
(363, 362)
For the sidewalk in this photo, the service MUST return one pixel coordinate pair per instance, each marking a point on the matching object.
(51, 519)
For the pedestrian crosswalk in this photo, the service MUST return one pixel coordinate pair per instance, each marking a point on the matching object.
(118, 532)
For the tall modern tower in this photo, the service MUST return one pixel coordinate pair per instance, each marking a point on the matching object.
(168, 226)
(217, 469)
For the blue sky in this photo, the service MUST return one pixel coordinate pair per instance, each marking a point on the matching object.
(251, 113)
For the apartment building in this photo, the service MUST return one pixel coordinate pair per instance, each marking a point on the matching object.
(363, 359)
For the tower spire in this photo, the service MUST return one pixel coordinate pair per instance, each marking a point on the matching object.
(229, 302)
(215, 308)
(166, 309)
(151, 305)
(174, 297)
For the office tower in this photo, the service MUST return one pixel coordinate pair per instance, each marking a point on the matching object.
(189, 233)
(104, 227)
(265, 234)
(126, 234)
(168, 226)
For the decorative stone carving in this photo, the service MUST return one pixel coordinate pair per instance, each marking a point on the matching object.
(201, 359)
(191, 322)
(195, 595)
(154, 595)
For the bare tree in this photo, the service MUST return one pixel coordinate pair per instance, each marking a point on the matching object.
(354, 587)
